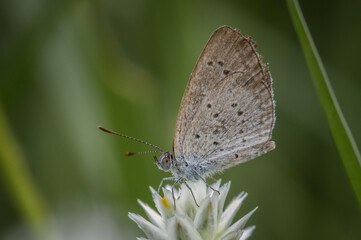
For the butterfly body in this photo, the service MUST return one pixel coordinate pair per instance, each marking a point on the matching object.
(198, 168)
(180, 168)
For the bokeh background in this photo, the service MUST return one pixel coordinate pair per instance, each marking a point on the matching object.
(68, 66)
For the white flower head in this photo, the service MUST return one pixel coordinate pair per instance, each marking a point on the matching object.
(187, 221)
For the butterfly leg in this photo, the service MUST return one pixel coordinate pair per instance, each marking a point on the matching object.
(190, 189)
(206, 182)
(175, 183)
(164, 179)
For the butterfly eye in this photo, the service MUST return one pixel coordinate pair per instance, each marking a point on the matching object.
(165, 160)
(166, 163)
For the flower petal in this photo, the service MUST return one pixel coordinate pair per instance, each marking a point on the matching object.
(231, 236)
(148, 228)
(169, 188)
(230, 212)
(240, 234)
(200, 189)
(169, 196)
(239, 224)
(164, 205)
(216, 185)
(153, 216)
(181, 227)
(206, 218)
(247, 232)
(186, 204)
(222, 197)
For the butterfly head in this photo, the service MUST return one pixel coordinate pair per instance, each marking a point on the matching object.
(165, 161)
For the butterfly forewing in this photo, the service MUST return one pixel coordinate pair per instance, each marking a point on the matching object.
(227, 111)
(223, 53)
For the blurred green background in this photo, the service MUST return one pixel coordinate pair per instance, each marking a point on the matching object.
(68, 66)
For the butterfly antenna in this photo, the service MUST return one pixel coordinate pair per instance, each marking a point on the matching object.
(134, 139)
(138, 153)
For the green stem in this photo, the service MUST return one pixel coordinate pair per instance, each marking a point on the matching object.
(18, 180)
(342, 135)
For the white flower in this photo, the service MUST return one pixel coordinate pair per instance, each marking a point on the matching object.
(187, 221)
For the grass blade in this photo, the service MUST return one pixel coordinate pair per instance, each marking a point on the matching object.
(343, 138)
(17, 179)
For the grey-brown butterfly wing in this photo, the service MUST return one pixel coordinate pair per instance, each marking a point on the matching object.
(226, 53)
(234, 123)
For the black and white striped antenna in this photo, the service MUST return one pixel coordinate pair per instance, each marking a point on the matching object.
(134, 139)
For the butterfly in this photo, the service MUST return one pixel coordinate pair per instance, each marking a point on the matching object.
(227, 112)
